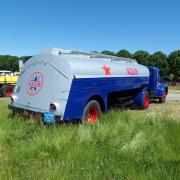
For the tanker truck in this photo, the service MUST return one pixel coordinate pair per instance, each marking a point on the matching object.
(67, 85)
(7, 82)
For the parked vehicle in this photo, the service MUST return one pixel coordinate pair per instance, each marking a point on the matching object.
(75, 85)
(7, 82)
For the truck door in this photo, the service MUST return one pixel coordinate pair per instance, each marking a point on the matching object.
(153, 78)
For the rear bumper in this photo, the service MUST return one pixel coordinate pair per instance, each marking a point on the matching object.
(27, 111)
(18, 109)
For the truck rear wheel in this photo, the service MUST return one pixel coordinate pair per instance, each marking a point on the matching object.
(7, 90)
(92, 112)
(163, 98)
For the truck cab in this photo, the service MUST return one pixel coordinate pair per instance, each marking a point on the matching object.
(158, 90)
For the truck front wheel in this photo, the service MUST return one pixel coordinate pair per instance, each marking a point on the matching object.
(92, 112)
(163, 98)
(146, 101)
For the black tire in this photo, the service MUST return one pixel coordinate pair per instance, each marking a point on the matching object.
(5, 89)
(162, 99)
(91, 106)
(1, 92)
(146, 101)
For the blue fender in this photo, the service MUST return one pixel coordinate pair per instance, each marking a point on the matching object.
(139, 99)
(162, 88)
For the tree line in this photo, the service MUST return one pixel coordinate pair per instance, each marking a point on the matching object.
(11, 63)
(168, 65)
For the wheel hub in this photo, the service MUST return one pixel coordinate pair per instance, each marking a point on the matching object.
(92, 115)
(9, 92)
(146, 101)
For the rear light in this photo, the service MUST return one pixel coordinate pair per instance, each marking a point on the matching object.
(52, 107)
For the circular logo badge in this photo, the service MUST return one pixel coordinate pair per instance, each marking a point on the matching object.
(35, 83)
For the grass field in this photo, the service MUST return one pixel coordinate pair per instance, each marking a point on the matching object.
(174, 91)
(174, 87)
(129, 144)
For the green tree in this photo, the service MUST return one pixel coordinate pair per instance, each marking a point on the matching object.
(94, 51)
(25, 58)
(159, 59)
(174, 64)
(10, 63)
(142, 57)
(111, 53)
(124, 53)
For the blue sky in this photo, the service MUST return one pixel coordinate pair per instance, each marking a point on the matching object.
(27, 26)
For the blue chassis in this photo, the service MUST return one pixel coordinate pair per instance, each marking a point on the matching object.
(83, 89)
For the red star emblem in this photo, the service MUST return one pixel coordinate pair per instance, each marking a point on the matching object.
(106, 70)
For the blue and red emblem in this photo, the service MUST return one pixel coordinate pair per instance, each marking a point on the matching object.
(34, 84)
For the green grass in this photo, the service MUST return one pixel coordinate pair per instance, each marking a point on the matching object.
(175, 89)
(131, 144)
